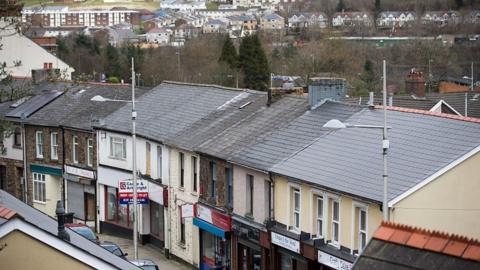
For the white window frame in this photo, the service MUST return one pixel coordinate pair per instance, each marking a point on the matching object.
(159, 161)
(320, 233)
(90, 152)
(39, 179)
(75, 149)
(296, 212)
(334, 242)
(356, 208)
(54, 145)
(118, 142)
(360, 230)
(38, 144)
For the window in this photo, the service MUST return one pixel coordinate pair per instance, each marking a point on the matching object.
(39, 187)
(17, 137)
(75, 149)
(90, 152)
(213, 176)
(159, 161)
(195, 174)
(296, 209)
(181, 162)
(249, 181)
(362, 230)
(120, 214)
(335, 221)
(268, 200)
(148, 159)
(319, 217)
(118, 148)
(229, 176)
(182, 226)
(39, 144)
(54, 145)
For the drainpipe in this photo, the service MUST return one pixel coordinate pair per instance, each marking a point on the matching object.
(97, 185)
(24, 153)
(64, 182)
(272, 199)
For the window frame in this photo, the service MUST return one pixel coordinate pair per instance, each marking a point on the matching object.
(335, 222)
(17, 142)
(116, 142)
(318, 199)
(39, 145)
(250, 179)
(194, 174)
(296, 212)
(90, 152)
(39, 179)
(182, 227)
(229, 178)
(159, 161)
(181, 167)
(213, 176)
(75, 149)
(54, 146)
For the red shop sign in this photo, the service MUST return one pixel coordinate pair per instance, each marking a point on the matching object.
(214, 217)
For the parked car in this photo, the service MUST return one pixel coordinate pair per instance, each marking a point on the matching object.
(145, 264)
(114, 248)
(84, 231)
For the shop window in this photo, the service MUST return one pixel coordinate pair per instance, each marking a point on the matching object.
(213, 176)
(249, 181)
(39, 144)
(39, 188)
(156, 220)
(181, 165)
(159, 161)
(120, 214)
(54, 145)
(118, 148)
(75, 149)
(229, 176)
(17, 137)
(335, 221)
(195, 174)
(90, 152)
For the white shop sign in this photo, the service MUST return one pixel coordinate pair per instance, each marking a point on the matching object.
(79, 172)
(286, 242)
(334, 262)
(204, 213)
(187, 210)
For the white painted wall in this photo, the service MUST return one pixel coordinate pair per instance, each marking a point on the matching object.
(13, 152)
(53, 193)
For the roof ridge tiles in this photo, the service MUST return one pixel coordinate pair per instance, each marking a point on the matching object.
(430, 113)
(213, 86)
(431, 240)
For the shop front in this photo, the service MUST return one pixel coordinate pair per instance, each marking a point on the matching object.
(46, 184)
(215, 237)
(331, 258)
(251, 247)
(80, 194)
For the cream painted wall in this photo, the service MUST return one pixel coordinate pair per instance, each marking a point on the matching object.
(450, 203)
(53, 194)
(240, 191)
(348, 229)
(190, 251)
(23, 252)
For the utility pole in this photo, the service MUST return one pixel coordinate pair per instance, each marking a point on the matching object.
(385, 145)
(134, 167)
(178, 63)
(471, 84)
(429, 76)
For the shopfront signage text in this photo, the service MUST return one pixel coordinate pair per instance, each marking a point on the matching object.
(334, 262)
(125, 191)
(79, 172)
(214, 217)
(286, 242)
(187, 210)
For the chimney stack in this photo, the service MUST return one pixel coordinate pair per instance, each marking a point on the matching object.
(61, 216)
(415, 83)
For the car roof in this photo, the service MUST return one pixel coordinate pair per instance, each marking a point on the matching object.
(141, 262)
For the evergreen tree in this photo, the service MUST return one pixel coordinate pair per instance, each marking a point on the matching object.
(459, 3)
(378, 7)
(254, 64)
(229, 54)
(340, 6)
(368, 75)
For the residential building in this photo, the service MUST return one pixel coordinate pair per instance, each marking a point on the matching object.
(183, 5)
(21, 55)
(272, 21)
(308, 20)
(352, 19)
(159, 36)
(347, 206)
(117, 35)
(215, 26)
(25, 230)
(474, 17)
(219, 13)
(399, 19)
(245, 23)
(62, 16)
(442, 18)
(401, 246)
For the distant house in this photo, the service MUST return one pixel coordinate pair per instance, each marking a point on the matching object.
(246, 23)
(349, 19)
(474, 17)
(441, 18)
(159, 36)
(165, 20)
(272, 21)
(215, 26)
(388, 19)
(117, 35)
(218, 13)
(183, 5)
(308, 19)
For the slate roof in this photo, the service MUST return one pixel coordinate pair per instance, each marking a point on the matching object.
(171, 107)
(395, 246)
(76, 110)
(273, 147)
(50, 225)
(350, 160)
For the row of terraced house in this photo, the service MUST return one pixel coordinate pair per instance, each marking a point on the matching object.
(238, 178)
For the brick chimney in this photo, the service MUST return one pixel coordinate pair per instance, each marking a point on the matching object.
(415, 83)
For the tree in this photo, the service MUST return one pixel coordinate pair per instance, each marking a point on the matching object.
(229, 54)
(378, 7)
(459, 3)
(254, 64)
(368, 75)
(340, 6)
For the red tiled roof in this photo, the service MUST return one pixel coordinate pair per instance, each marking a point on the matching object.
(7, 213)
(438, 114)
(449, 244)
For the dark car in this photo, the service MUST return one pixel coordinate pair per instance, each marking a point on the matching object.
(84, 231)
(114, 248)
(145, 264)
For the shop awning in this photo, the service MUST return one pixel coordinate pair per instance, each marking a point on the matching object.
(208, 227)
(45, 170)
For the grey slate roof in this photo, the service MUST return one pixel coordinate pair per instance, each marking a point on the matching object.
(350, 160)
(76, 110)
(296, 134)
(50, 225)
(34, 104)
(171, 107)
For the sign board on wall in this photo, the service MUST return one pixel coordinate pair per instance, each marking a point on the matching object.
(187, 211)
(125, 192)
(286, 242)
(80, 172)
(333, 262)
(214, 217)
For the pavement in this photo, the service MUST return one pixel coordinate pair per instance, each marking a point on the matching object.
(147, 251)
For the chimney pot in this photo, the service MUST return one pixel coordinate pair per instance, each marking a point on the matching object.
(62, 233)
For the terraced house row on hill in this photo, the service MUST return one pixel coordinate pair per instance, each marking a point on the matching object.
(238, 179)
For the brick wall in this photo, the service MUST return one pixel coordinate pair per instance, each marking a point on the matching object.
(13, 174)
(81, 148)
(206, 181)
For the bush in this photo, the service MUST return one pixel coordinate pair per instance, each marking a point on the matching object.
(113, 80)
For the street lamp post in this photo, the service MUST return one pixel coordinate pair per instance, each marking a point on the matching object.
(134, 157)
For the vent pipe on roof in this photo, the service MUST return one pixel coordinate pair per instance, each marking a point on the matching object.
(61, 217)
